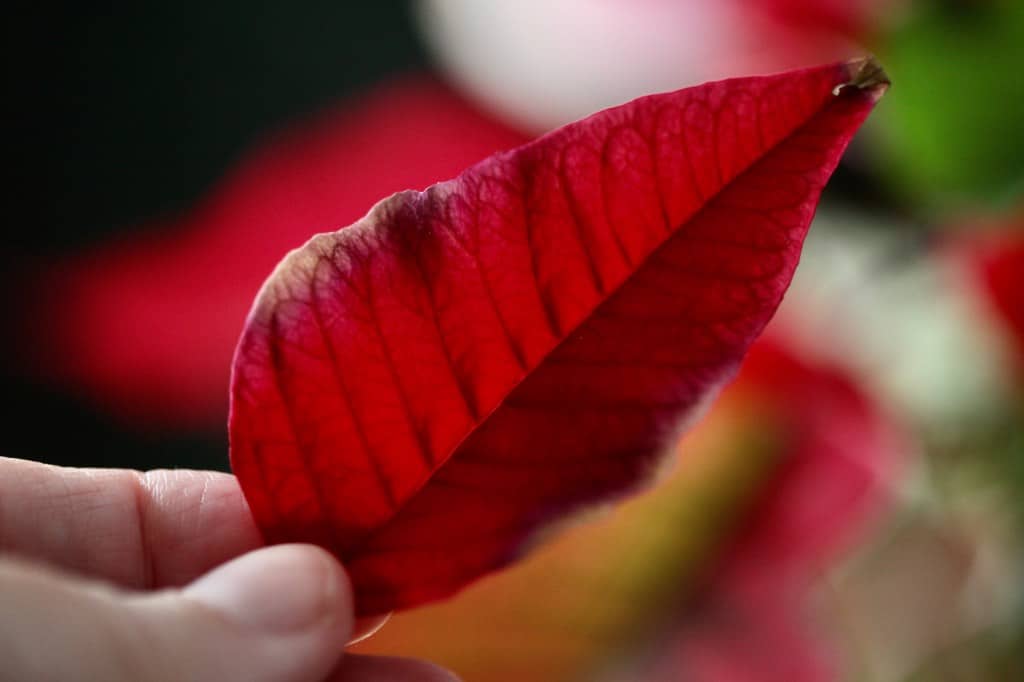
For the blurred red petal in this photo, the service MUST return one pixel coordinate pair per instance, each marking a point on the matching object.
(729, 639)
(842, 453)
(1002, 270)
(749, 621)
(856, 19)
(146, 327)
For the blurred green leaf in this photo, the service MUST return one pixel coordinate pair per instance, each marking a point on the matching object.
(950, 136)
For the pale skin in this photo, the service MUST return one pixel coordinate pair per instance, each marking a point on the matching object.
(121, 575)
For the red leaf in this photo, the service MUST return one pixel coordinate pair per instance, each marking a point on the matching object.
(421, 391)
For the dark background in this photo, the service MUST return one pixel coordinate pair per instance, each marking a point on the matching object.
(124, 111)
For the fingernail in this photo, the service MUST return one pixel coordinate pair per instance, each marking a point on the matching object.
(276, 590)
(367, 627)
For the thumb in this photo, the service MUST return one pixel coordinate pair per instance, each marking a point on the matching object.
(278, 614)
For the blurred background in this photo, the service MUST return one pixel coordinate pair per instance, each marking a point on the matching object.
(853, 506)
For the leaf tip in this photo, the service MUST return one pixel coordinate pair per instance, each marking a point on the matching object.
(864, 75)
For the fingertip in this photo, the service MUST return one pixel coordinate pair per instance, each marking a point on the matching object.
(283, 589)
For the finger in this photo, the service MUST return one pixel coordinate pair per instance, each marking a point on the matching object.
(360, 668)
(139, 530)
(277, 614)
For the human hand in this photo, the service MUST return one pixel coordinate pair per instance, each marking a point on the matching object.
(118, 575)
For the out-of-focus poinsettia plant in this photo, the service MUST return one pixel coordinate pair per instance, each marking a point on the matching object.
(708, 576)
(850, 509)
(146, 326)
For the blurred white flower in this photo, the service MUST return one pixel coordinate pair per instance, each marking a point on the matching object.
(907, 318)
(542, 63)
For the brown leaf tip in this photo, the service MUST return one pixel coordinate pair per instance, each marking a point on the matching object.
(865, 75)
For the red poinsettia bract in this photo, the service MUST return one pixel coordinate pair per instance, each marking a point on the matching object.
(421, 391)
